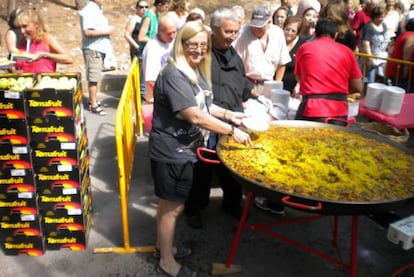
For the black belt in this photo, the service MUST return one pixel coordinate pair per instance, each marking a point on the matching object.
(256, 81)
(330, 96)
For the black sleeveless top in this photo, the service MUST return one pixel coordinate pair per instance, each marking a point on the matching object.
(135, 31)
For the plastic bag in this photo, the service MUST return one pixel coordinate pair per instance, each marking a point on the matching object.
(110, 62)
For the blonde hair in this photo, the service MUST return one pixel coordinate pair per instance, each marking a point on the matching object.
(178, 6)
(27, 16)
(178, 59)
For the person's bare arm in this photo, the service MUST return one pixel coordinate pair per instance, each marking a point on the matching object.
(11, 41)
(280, 72)
(296, 90)
(56, 52)
(366, 47)
(149, 91)
(197, 117)
(128, 31)
(142, 35)
(408, 51)
(97, 33)
(356, 86)
(227, 115)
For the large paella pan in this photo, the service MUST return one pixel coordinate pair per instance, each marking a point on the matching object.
(323, 168)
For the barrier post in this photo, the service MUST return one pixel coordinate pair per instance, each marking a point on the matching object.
(128, 114)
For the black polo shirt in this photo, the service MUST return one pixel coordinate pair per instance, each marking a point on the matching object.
(230, 85)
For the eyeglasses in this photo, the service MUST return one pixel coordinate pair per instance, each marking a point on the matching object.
(195, 45)
(142, 7)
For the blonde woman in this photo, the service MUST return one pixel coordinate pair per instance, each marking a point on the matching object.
(182, 110)
(44, 48)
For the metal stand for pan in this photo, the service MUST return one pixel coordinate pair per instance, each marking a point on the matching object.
(264, 228)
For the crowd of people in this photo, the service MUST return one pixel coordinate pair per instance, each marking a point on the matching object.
(198, 75)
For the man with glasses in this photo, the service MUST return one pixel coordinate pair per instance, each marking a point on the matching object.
(263, 49)
(230, 89)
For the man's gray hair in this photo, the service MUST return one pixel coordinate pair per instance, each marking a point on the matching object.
(220, 14)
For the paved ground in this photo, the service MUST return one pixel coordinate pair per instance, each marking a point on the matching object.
(259, 255)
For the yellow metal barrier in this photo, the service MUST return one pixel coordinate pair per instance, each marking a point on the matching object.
(363, 58)
(126, 130)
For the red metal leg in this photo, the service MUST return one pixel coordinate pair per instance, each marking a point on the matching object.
(239, 229)
(336, 230)
(354, 245)
(263, 229)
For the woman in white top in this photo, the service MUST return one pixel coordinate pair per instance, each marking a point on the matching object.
(392, 17)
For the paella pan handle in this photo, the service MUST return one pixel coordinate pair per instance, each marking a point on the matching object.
(286, 201)
(348, 122)
(201, 150)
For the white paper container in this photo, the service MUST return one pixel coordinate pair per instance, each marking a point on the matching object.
(374, 95)
(291, 115)
(392, 100)
(353, 108)
(294, 104)
(279, 112)
(280, 97)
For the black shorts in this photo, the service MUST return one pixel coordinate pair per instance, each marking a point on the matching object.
(172, 181)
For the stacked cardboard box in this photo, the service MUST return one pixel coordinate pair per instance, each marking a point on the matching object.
(20, 228)
(59, 160)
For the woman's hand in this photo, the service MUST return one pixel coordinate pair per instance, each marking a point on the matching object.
(242, 137)
(39, 55)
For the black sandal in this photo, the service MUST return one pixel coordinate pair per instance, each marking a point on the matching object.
(97, 110)
(180, 252)
(183, 272)
(99, 104)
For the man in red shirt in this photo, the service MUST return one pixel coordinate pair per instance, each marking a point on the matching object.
(327, 72)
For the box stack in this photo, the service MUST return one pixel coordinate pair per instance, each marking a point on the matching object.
(60, 156)
(20, 227)
(57, 159)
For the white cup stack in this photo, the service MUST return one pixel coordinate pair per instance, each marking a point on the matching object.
(280, 96)
(269, 85)
(280, 99)
(374, 95)
(392, 100)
